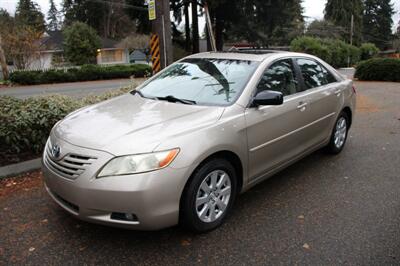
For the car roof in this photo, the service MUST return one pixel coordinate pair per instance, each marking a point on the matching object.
(252, 55)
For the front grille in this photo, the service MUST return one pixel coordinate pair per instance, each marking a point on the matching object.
(70, 166)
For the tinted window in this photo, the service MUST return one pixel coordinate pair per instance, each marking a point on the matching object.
(314, 74)
(207, 81)
(280, 76)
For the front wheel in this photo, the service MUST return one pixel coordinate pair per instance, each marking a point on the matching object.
(339, 134)
(209, 195)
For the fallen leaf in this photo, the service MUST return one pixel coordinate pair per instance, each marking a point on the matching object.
(44, 221)
(31, 249)
(346, 177)
(306, 246)
(82, 248)
(300, 216)
(185, 242)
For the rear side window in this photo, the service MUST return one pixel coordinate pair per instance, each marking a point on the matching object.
(314, 74)
(280, 76)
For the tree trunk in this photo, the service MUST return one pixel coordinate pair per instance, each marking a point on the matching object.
(219, 28)
(195, 27)
(187, 27)
(3, 62)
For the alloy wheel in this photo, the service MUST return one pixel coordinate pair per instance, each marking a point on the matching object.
(340, 132)
(213, 196)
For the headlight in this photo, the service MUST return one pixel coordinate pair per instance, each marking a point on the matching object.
(133, 164)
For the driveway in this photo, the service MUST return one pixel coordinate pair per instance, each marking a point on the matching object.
(75, 89)
(323, 210)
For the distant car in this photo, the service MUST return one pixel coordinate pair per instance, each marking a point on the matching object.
(183, 145)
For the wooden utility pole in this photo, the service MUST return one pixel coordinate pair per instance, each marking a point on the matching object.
(3, 62)
(161, 26)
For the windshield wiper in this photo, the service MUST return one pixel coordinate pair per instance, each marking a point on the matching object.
(173, 99)
(141, 94)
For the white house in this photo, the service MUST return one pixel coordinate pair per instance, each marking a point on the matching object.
(51, 52)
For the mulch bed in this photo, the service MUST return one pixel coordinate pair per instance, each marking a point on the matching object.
(23, 182)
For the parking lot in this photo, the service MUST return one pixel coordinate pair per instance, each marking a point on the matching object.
(323, 210)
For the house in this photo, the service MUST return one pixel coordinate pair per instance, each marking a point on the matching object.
(51, 52)
(138, 56)
(110, 53)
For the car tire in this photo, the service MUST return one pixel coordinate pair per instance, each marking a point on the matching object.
(339, 134)
(205, 201)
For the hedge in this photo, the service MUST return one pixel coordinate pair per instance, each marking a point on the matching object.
(84, 73)
(26, 124)
(334, 52)
(379, 69)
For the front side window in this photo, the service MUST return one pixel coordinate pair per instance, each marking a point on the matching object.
(314, 74)
(280, 76)
(205, 81)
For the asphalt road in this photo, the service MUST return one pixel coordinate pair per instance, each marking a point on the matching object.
(323, 210)
(75, 89)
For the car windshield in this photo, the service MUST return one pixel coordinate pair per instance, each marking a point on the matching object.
(205, 81)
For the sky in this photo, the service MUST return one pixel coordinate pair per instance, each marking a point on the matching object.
(313, 9)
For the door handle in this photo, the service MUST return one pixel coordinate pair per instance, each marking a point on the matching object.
(302, 106)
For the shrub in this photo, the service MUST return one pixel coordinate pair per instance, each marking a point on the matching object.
(368, 50)
(312, 46)
(26, 124)
(382, 69)
(83, 73)
(334, 52)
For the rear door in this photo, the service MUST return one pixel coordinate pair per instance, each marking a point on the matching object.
(323, 93)
(275, 133)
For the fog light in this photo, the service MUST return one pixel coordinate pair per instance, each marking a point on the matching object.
(130, 217)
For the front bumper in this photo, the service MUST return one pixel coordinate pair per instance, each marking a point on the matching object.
(152, 197)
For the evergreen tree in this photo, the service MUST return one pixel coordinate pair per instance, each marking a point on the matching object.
(140, 18)
(377, 22)
(339, 13)
(28, 13)
(265, 22)
(52, 17)
(80, 43)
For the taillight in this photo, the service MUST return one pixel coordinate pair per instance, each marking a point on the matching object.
(354, 89)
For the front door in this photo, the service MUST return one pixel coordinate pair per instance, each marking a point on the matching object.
(275, 133)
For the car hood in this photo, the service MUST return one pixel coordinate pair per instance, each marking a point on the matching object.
(131, 124)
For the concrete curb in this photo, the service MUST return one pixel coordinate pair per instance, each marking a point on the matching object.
(19, 168)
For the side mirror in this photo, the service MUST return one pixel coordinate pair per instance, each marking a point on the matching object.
(268, 98)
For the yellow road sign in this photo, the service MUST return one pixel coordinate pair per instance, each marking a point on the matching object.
(155, 52)
(152, 9)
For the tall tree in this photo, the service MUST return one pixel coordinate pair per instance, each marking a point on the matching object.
(109, 18)
(28, 13)
(325, 29)
(136, 10)
(265, 22)
(339, 12)
(377, 22)
(52, 17)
